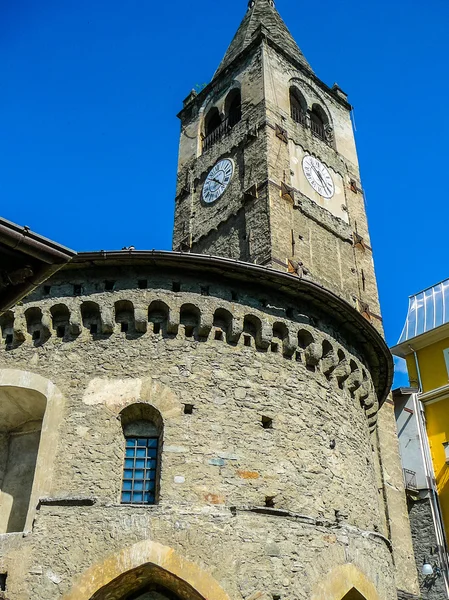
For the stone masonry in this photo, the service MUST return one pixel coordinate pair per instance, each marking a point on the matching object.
(263, 368)
(238, 351)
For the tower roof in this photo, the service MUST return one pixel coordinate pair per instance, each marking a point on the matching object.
(262, 13)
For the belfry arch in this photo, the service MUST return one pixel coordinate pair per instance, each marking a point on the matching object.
(146, 571)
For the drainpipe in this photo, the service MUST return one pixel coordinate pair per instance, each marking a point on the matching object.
(430, 477)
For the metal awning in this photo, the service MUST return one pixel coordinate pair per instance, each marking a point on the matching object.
(427, 310)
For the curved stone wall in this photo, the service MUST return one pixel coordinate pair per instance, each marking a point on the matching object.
(268, 478)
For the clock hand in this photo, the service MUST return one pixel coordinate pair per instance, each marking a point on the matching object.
(323, 183)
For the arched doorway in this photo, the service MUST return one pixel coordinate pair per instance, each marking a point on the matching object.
(30, 412)
(147, 582)
(354, 595)
(155, 595)
(146, 571)
(345, 582)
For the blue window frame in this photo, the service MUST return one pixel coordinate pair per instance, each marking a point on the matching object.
(140, 470)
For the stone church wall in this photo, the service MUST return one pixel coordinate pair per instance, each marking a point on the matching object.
(270, 480)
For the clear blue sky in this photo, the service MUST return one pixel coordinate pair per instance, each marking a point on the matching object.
(89, 134)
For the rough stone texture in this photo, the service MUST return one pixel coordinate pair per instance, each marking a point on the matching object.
(275, 483)
(219, 464)
(396, 506)
(424, 540)
(284, 223)
(267, 228)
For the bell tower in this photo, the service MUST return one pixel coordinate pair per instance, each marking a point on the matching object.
(268, 170)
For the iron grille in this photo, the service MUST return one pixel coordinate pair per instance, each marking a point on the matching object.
(300, 116)
(317, 130)
(322, 132)
(139, 475)
(225, 126)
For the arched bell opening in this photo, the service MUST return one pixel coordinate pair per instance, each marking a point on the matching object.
(147, 582)
(212, 121)
(319, 124)
(233, 107)
(298, 106)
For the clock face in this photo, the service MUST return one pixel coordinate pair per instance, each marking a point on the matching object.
(318, 176)
(218, 180)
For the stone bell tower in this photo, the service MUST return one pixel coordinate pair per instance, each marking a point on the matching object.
(292, 199)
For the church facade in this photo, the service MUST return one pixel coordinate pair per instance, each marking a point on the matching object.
(211, 423)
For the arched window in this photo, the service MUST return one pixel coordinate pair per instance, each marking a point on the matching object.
(298, 106)
(124, 316)
(60, 316)
(90, 312)
(233, 107)
(318, 122)
(7, 328)
(212, 121)
(158, 313)
(190, 317)
(213, 128)
(142, 429)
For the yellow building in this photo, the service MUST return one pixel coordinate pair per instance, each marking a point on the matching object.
(424, 344)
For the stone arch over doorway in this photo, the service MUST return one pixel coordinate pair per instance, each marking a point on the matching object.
(345, 582)
(144, 570)
(30, 412)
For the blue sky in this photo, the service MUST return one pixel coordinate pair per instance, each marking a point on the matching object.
(89, 134)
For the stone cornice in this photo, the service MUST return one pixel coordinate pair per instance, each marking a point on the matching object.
(346, 318)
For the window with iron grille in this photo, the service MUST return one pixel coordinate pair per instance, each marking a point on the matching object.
(140, 471)
(143, 434)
